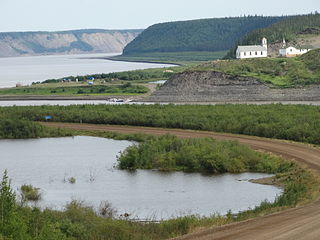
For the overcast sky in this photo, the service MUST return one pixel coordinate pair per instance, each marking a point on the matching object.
(49, 15)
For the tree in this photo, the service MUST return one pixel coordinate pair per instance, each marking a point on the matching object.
(11, 225)
(7, 201)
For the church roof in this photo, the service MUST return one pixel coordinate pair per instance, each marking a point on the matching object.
(251, 48)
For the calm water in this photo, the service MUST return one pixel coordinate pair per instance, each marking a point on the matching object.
(39, 68)
(45, 163)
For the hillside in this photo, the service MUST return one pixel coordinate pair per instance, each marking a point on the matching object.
(270, 79)
(216, 34)
(279, 72)
(300, 31)
(66, 42)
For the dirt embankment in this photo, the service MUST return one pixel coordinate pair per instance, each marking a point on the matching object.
(220, 87)
(301, 223)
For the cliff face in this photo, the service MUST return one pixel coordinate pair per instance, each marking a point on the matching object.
(219, 87)
(68, 42)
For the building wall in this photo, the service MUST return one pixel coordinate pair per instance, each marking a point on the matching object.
(292, 52)
(251, 54)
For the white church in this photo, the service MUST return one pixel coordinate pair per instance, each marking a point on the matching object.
(253, 51)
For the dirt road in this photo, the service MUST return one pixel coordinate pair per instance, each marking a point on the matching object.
(293, 224)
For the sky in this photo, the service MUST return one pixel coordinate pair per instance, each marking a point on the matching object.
(52, 15)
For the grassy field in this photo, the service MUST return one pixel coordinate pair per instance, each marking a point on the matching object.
(181, 58)
(279, 72)
(78, 90)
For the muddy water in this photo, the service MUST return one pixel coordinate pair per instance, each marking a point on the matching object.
(49, 163)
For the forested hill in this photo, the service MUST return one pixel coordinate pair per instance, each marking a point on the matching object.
(292, 28)
(65, 42)
(217, 34)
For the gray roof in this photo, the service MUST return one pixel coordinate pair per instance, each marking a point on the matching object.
(252, 48)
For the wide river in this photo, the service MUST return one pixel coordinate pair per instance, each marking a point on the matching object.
(26, 70)
(144, 194)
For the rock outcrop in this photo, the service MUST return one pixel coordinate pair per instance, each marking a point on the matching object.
(67, 42)
(220, 87)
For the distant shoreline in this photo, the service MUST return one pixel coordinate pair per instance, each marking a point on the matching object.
(138, 61)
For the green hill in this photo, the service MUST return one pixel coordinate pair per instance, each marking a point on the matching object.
(216, 34)
(280, 72)
(289, 28)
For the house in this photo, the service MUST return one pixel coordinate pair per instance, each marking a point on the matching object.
(291, 51)
(253, 51)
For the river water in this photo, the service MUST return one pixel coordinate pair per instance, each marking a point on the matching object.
(26, 70)
(144, 194)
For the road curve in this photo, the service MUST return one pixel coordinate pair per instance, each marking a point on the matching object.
(293, 224)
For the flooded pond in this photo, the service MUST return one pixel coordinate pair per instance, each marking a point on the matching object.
(49, 163)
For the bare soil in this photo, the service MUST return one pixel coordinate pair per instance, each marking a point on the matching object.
(298, 223)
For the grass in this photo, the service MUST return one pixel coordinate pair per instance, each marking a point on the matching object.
(125, 89)
(181, 58)
(278, 72)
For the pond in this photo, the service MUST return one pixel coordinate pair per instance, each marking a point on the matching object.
(49, 163)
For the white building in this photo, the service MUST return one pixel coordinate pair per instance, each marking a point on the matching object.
(253, 51)
(291, 51)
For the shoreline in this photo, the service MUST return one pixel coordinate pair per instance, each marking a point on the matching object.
(140, 61)
(140, 99)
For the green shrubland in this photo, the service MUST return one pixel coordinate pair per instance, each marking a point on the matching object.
(292, 122)
(14, 128)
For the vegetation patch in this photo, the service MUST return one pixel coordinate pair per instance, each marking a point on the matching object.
(14, 128)
(30, 193)
(170, 153)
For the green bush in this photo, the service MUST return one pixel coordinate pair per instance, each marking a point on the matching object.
(198, 155)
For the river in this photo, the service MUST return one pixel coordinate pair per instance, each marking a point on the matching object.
(26, 70)
(144, 194)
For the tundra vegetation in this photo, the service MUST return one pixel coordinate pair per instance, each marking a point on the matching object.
(79, 221)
